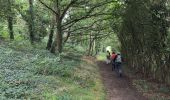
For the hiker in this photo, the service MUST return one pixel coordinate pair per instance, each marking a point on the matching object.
(118, 64)
(108, 57)
(113, 56)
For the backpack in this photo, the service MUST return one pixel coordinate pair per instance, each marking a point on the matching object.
(118, 58)
(113, 56)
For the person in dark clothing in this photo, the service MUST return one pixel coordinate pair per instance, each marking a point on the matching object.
(113, 56)
(118, 64)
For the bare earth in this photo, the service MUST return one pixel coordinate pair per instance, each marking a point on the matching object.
(117, 88)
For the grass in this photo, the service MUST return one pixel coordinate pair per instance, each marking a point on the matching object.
(101, 56)
(32, 73)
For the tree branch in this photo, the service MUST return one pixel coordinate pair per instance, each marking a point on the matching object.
(100, 36)
(89, 26)
(48, 7)
(87, 15)
(66, 9)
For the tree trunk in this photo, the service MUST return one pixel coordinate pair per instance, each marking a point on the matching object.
(58, 39)
(50, 39)
(92, 48)
(10, 27)
(31, 22)
(90, 45)
(67, 37)
(10, 21)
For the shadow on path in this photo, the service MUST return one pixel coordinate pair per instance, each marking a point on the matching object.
(117, 88)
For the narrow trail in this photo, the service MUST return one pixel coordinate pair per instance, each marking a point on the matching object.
(117, 88)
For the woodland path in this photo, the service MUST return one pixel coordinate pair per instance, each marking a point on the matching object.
(117, 88)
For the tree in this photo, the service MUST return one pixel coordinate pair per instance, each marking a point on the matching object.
(51, 34)
(10, 20)
(36, 19)
(143, 35)
(31, 21)
(87, 9)
(8, 14)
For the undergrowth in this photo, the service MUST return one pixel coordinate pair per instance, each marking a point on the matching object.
(33, 73)
(150, 89)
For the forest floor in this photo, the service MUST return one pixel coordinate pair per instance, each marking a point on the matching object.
(28, 72)
(117, 88)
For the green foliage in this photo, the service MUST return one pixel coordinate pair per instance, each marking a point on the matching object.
(4, 34)
(141, 85)
(158, 98)
(53, 66)
(155, 91)
(164, 90)
(144, 35)
(33, 73)
(101, 56)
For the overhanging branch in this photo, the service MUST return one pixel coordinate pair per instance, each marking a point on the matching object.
(48, 7)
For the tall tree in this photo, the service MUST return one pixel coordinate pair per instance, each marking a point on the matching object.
(78, 10)
(51, 34)
(143, 35)
(31, 21)
(10, 19)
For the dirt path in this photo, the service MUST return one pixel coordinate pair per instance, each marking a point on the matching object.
(117, 88)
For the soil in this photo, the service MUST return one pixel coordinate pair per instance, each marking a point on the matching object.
(117, 88)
